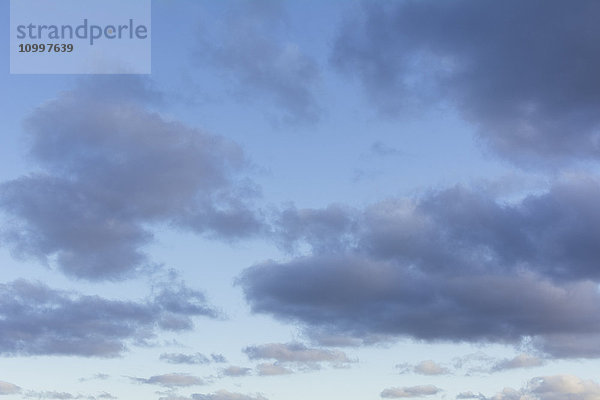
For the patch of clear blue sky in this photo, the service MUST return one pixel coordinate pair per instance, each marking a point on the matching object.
(313, 164)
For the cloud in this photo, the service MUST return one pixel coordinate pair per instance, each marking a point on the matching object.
(174, 397)
(98, 376)
(225, 395)
(471, 395)
(410, 391)
(105, 395)
(171, 380)
(383, 150)
(520, 361)
(508, 272)
(564, 387)
(39, 320)
(271, 369)
(110, 170)
(218, 358)
(54, 395)
(236, 371)
(8, 388)
(327, 229)
(569, 345)
(430, 367)
(178, 358)
(295, 352)
(538, 58)
(427, 367)
(359, 296)
(558, 387)
(251, 52)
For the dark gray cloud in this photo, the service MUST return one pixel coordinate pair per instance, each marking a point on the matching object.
(179, 358)
(523, 71)
(254, 50)
(171, 380)
(109, 171)
(38, 320)
(7, 388)
(360, 296)
(455, 265)
(410, 391)
(564, 345)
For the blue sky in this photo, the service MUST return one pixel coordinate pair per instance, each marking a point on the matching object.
(307, 199)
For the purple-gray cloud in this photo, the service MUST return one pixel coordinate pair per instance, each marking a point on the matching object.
(523, 71)
(109, 171)
(38, 320)
(454, 265)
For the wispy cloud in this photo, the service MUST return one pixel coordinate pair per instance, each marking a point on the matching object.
(171, 380)
(264, 66)
(179, 358)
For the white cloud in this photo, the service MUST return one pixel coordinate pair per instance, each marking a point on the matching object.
(410, 391)
(429, 367)
(8, 388)
(520, 361)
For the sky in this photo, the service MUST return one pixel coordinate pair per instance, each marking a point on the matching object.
(310, 199)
